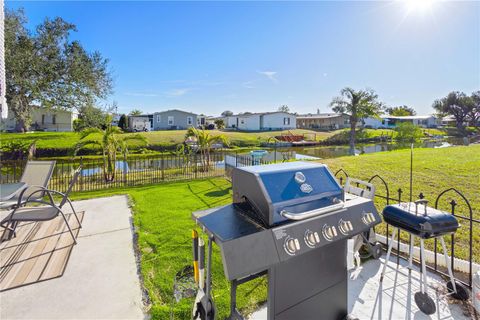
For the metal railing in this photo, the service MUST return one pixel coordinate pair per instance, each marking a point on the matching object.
(441, 202)
(127, 172)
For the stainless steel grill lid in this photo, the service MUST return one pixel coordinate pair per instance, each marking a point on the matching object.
(273, 194)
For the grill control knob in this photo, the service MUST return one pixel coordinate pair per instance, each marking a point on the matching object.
(291, 245)
(368, 218)
(329, 232)
(345, 227)
(310, 239)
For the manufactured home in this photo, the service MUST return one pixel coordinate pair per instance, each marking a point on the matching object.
(265, 121)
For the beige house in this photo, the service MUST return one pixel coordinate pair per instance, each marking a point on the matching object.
(44, 119)
(323, 121)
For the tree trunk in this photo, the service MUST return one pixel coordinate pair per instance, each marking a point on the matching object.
(21, 112)
(460, 127)
(20, 126)
(353, 126)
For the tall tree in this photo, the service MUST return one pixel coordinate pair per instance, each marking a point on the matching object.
(401, 111)
(456, 104)
(358, 104)
(284, 108)
(90, 117)
(474, 113)
(227, 113)
(135, 112)
(46, 68)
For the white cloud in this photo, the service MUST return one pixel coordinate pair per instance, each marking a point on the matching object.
(178, 92)
(141, 94)
(269, 74)
(249, 84)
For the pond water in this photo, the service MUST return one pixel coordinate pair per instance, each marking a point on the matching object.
(339, 151)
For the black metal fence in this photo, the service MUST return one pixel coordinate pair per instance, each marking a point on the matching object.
(127, 171)
(450, 200)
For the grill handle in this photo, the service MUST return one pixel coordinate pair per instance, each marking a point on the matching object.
(311, 213)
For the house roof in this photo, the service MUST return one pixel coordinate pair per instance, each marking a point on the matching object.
(321, 116)
(259, 114)
(409, 117)
(176, 110)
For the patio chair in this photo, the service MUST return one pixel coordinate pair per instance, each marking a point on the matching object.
(368, 238)
(41, 213)
(36, 173)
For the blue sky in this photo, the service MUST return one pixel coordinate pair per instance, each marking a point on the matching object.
(208, 57)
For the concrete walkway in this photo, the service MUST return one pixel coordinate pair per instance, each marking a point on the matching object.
(394, 300)
(101, 279)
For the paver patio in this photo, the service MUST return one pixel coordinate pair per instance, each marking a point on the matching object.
(100, 280)
(394, 299)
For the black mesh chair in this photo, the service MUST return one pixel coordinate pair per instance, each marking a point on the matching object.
(50, 210)
(426, 224)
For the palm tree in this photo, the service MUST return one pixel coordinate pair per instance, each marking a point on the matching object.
(111, 141)
(358, 104)
(205, 141)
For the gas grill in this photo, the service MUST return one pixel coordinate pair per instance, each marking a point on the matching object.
(290, 221)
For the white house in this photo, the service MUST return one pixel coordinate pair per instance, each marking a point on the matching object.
(390, 122)
(44, 119)
(264, 121)
(140, 122)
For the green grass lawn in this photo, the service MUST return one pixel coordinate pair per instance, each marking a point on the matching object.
(162, 217)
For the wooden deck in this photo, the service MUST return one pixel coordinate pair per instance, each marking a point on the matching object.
(39, 252)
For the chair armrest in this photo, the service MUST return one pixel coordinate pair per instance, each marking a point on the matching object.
(41, 189)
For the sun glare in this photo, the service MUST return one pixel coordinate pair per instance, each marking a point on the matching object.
(419, 5)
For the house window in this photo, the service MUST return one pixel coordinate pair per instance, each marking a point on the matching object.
(54, 119)
(43, 119)
(189, 121)
(170, 120)
(159, 118)
(286, 121)
(242, 122)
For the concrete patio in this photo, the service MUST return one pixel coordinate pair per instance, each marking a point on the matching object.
(394, 299)
(101, 279)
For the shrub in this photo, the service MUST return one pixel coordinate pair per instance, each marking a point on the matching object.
(407, 131)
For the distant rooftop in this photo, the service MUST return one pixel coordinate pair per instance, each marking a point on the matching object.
(319, 115)
(408, 117)
(257, 113)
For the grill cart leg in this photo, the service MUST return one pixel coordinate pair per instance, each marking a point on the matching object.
(410, 252)
(423, 279)
(210, 307)
(458, 290)
(423, 301)
(450, 273)
(387, 258)
(234, 314)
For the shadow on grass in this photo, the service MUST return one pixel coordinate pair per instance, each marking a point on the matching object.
(219, 193)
